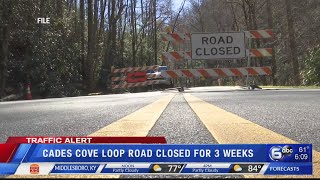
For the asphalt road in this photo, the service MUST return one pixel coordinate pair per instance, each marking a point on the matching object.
(180, 125)
(77, 116)
(292, 113)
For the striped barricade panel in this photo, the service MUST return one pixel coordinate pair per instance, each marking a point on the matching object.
(217, 72)
(176, 37)
(123, 78)
(126, 85)
(180, 37)
(176, 56)
(120, 82)
(261, 52)
(260, 34)
(186, 55)
(131, 69)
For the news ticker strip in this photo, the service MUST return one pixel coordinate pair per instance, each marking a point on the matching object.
(157, 168)
(38, 158)
(24, 153)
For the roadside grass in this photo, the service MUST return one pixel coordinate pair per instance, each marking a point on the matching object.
(299, 87)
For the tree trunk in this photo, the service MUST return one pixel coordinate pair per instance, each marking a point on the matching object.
(258, 45)
(121, 55)
(273, 61)
(103, 4)
(149, 11)
(4, 46)
(59, 8)
(113, 34)
(60, 14)
(82, 41)
(89, 61)
(95, 38)
(110, 49)
(4, 57)
(76, 31)
(41, 14)
(143, 34)
(133, 32)
(292, 42)
(155, 32)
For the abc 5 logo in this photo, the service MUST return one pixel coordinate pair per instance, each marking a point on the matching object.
(277, 153)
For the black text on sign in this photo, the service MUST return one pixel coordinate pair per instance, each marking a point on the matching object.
(218, 46)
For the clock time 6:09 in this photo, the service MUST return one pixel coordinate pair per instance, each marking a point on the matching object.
(301, 156)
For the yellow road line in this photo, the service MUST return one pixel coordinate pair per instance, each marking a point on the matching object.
(228, 128)
(138, 123)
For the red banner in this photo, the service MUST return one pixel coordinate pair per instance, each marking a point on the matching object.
(85, 140)
(7, 151)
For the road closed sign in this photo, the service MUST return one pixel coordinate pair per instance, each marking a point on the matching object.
(218, 46)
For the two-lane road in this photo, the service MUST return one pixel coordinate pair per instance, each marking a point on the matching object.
(202, 115)
(76, 116)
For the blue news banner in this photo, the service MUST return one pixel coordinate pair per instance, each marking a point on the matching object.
(271, 159)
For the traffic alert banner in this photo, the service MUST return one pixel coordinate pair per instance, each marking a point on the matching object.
(93, 155)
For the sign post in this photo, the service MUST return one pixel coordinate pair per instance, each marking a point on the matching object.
(249, 57)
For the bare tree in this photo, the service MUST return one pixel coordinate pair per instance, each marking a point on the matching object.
(292, 41)
(4, 50)
(133, 4)
(89, 60)
(273, 61)
(82, 42)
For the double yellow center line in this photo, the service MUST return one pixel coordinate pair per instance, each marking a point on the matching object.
(226, 128)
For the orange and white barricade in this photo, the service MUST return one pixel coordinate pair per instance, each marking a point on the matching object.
(125, 78)
(217, 72)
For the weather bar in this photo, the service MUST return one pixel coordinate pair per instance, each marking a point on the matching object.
(166, 168)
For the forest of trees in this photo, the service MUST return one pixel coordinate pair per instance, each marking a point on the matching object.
(73, 54)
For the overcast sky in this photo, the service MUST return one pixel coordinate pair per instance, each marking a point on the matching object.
(177, 4)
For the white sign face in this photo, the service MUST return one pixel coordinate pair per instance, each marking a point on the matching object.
(218, 46)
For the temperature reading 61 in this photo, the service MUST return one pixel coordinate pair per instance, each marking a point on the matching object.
(304, 149)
